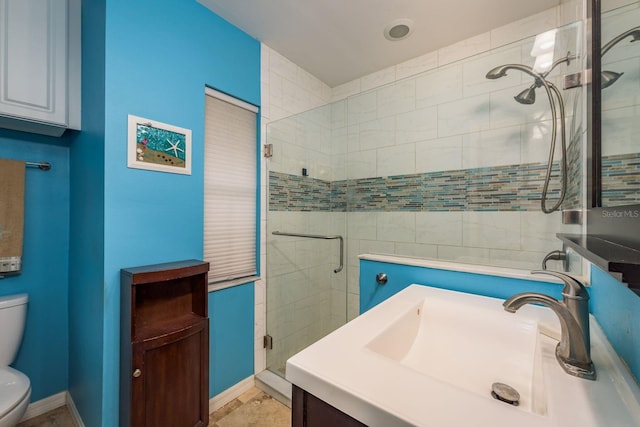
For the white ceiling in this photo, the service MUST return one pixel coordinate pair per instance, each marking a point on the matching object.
(341, 40)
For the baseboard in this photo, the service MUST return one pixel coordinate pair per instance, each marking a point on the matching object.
(219, 400)
(73, 410)
(50, 403)
(57, 400)
(45, 405)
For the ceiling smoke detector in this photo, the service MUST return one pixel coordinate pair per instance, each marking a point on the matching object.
(398, 29)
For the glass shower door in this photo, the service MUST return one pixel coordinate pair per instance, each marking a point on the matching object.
(306, 272)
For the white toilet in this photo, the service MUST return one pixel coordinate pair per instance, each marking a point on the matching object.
(15, 387)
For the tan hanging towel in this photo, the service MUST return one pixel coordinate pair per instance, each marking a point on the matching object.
(12, 174)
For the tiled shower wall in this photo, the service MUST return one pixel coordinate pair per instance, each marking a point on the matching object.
(440, 119)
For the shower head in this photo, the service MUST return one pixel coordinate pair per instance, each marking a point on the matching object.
(497, 72)
(527, 96)
(608, 78)
(635, 35)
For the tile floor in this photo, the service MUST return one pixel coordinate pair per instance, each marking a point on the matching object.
(254, 408)
(59, 417)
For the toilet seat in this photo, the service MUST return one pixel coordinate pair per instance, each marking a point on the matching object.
(14, 388)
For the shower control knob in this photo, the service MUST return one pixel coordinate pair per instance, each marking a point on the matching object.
(381, 278)
(137, 373)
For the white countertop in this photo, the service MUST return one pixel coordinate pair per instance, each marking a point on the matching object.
(378, 391)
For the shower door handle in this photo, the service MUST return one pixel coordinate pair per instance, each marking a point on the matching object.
(319, 236)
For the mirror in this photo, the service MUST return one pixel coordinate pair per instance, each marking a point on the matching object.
(612, 241)
(620, 99)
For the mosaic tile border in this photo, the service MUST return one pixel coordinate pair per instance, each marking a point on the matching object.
(298, 193)
(510, 188)
(621, 179)
(504, 188)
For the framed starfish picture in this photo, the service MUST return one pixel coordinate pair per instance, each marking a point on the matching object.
(158, 146)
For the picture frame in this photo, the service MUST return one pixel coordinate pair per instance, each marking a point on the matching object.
(158, 146)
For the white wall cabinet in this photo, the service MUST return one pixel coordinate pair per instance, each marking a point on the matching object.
(40, 65)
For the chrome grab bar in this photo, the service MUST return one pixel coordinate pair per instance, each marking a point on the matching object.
(318, 236)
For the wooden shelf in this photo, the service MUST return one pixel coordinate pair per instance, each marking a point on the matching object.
(164, 345)
(620, 261)
(154, 330)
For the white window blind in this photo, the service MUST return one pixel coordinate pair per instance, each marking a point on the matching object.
(230, 192)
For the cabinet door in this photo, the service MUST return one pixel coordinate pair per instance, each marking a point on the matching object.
(309, 411)
(171, 386)
(33, 60)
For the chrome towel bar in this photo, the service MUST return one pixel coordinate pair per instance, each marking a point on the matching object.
(45, 166)
(318, 236)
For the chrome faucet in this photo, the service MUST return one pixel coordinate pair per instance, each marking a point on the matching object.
(574, 349)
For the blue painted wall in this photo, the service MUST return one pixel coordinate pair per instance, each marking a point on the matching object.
(91, 215)
(231, 356)
(158, 58)
(151, 59)
(617, 310)
(44, 350)
(400, 276)
(86, 255)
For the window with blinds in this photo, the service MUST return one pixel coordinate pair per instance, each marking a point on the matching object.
(230, 187)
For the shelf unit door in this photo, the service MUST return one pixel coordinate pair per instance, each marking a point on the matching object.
(170, 365)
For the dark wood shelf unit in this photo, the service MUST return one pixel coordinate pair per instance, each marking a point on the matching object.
(621, 261)
(164, 345)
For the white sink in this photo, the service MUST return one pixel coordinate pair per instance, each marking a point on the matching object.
(470, 347)
(428, 357)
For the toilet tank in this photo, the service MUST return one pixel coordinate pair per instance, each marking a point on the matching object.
(13, 312)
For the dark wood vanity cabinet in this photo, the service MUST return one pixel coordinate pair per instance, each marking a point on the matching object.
(309, 411)
(164, 345)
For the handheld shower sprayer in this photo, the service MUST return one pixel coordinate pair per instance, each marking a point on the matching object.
(528, 97)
